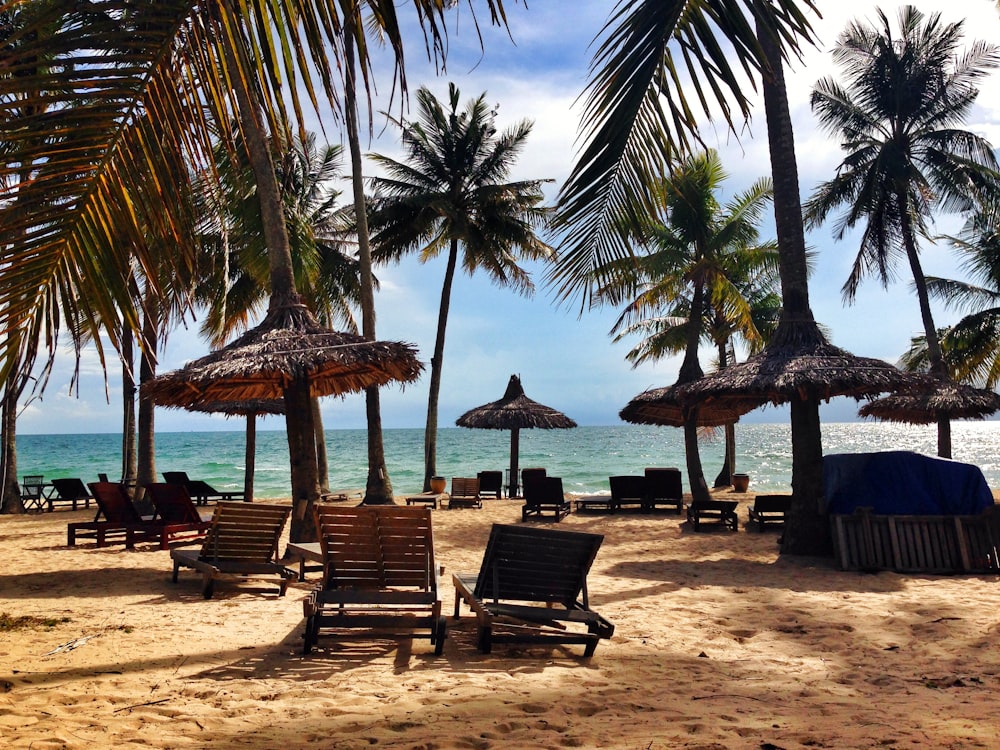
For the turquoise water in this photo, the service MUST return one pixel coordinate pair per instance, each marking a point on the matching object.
(584, 457)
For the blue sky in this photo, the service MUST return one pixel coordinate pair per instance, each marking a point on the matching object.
(565, 360)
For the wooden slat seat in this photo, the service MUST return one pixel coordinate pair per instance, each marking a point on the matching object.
(769, 509)
(664, 487)
(544, 496)
(117, 521)
(629, 491)
(532, 583)
(242, 543)
(464, 493)
(721, 512)
(379, 575)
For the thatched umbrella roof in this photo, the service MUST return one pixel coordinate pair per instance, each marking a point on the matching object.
(798, 363)
(514, 412)
(945, 399)
(665, 406)
(288, 344)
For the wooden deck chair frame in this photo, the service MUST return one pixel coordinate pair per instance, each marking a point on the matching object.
(629, 490)
(201, 492)
(241, 543)
(532, 587)
(177, 513)
(70, 490)
(666, 487)
(769, 509)
(379, 575)
(122, 523)
(464, 493)
(544, 496)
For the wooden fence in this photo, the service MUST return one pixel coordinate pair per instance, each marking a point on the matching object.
(918, 544)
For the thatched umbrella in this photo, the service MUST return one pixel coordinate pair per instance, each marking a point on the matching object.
(803, 369)
(250, 410)
(945, 399)
(665, 406)
(287, 345)
(514, 412)
(289, 356)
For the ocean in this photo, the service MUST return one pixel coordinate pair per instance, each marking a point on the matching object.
(584, 456)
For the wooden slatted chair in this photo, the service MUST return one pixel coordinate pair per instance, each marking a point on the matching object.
(544, 496)
(464, 493)
(629, 491)
(242, 543)
(71, 491)
(720, 512)
(532, 586)
(201, 492)
(117, 521)
(665, 487)
(769, 509)
(491, 483)
(379, 575)
(177, 513)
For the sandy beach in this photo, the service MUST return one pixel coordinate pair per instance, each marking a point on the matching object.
(718, 644)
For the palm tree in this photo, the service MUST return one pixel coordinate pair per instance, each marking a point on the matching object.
(971, 347)
(236, 258)
(638, 116)
(450, 194)
(191, 68)
(896, 114)
(696, 248)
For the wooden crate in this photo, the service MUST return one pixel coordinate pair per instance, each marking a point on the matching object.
(917, 544)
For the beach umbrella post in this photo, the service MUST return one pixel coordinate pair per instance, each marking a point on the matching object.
(250, 410)
(514, 412)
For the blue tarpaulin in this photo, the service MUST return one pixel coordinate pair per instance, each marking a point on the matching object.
(903, 483)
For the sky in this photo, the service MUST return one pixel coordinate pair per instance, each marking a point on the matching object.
(566, 359)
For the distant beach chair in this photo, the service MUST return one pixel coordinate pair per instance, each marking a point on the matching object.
(177, 513)
(201, 492)
(379, 575)
(531, 586)
(464, 493)
(491, 483)
(543, 496)
(665, 487)
(121, 524)
(242, 542)
(628, 491)
(769, 509)
(71, 491)
(33, 492)
(720, 512)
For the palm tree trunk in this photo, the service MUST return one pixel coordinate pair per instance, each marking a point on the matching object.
(378, 490)
(434, 391)
(146, 424)
(806, 530)
(725, 476)
(322, 461)
(690, 371)
(935, 357)
(130, 465)
(11, 490)
(298, 413)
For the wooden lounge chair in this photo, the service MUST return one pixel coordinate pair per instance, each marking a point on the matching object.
(769, 509)
(665, 488)
(177, 513)
(379, 575)
(490, 483)
(631, 491)
(532, 586)
(544, 496)
(242, 543)
(201, 492)
(70, 491)
(116, 522)
(721, 512)
(464, 493)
